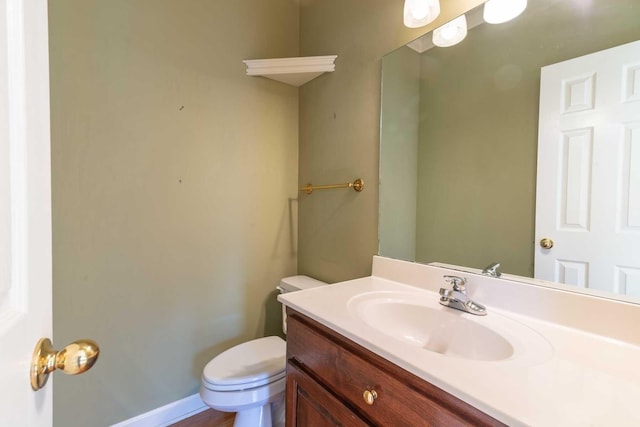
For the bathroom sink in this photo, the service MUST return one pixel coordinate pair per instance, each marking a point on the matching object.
(419, 320)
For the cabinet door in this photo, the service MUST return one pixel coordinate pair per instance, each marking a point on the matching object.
(310, 404)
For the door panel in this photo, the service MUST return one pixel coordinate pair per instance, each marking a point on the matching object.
(630, 171)
(25, 208)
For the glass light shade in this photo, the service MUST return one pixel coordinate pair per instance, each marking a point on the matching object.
(418, 13)
(451, 33)
(499, 11)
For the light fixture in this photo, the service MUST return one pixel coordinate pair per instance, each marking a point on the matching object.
(499, 11)
(418, 13)
(451, 33)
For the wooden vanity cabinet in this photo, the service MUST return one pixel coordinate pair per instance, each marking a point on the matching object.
(329, 379)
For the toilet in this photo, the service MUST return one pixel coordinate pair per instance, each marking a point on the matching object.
(250, 378)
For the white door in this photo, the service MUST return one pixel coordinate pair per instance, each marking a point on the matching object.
(25, 208)
(588, 185)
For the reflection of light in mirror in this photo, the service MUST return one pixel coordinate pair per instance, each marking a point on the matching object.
(418, 13)
(451, 33)
(584, 7)
(499, 11)
(424, 43)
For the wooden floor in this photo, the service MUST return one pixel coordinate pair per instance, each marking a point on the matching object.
(208, 418)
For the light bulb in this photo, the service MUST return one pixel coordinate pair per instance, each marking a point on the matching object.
(418, 13)
(451, 33)
(499, 11)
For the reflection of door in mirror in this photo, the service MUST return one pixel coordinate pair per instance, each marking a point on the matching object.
(589, 150)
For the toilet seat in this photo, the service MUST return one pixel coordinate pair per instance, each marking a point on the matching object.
(248, 365)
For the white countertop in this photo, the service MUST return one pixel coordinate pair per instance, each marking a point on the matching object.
(579, 379)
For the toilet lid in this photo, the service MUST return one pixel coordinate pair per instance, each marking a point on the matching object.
(247, 365)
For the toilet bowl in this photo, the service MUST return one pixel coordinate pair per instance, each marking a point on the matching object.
(250, 378)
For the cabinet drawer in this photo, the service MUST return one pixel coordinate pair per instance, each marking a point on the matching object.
(348, 370)
(311, 405)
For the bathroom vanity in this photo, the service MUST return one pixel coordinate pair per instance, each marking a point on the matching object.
(381, 350)
(331, 381)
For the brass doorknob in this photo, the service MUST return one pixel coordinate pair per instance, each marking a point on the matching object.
(546, 243)
(369, 396)
(76, 358)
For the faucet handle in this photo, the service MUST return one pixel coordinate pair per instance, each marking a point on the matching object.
(457, 282)
(492, 270)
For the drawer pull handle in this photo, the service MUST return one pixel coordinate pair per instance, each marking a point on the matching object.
(369, 396)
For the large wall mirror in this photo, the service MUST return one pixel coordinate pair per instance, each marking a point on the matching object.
(459, 139)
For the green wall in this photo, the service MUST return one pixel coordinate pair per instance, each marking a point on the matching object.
(399, 125)
(339, 128)
(479, 129)
(174, 187)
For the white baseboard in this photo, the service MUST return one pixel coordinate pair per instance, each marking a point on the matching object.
(167, 414)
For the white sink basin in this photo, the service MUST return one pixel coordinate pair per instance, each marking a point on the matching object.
(419, 320)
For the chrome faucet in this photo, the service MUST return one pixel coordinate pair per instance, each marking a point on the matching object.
(457, 297)
(492, 270)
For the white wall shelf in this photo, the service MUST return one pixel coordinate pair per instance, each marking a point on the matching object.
(292, 71)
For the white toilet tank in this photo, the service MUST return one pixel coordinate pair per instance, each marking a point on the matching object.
(292, 284)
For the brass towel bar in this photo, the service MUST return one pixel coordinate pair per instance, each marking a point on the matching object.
(357, 185)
